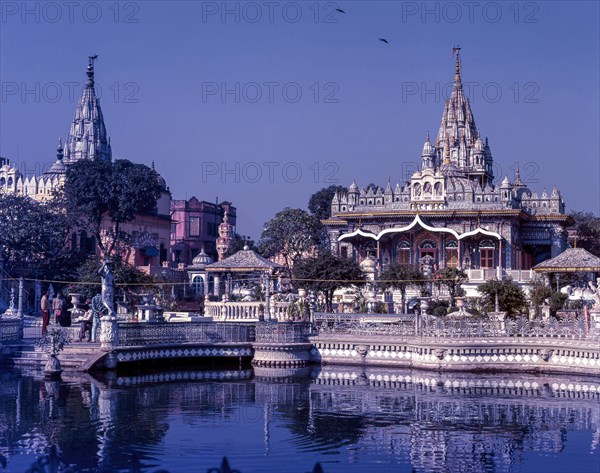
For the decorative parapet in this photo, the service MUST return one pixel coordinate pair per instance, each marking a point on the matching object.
(10, 329)
(466, 354)
(286, 332)
(136, 334)
(282, 344)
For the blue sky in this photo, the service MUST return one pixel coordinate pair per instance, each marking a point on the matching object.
(263, 103)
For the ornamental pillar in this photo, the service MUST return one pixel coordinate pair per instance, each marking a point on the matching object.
(217, 284)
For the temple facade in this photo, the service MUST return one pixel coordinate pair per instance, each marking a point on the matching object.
(453, 209)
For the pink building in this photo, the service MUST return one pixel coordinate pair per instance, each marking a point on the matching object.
(195, 224)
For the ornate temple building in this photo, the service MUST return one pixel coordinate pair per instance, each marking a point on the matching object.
(149, 234)
(87, 139)
(453, 209)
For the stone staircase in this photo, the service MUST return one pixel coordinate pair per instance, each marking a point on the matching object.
(74, 357)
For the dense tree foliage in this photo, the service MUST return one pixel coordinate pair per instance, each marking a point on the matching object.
(587, 231)
(539, 292)
(319, 203)
(401, 277)
(327, 273)
(292, 234)
(98, 190)
(34, 236)
(89, 281)
(511, 297)
(452, 279)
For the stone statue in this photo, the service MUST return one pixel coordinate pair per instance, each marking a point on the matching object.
(108, 288)
(109, 329)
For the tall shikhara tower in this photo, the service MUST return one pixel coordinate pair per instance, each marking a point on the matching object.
(87, 137)
(458, 146)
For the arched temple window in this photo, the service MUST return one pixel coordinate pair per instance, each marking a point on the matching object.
(403, 252)
(451, 254)
(438, 189)
(198, 285)
(417, 190)
(486, 254)
(427, 189)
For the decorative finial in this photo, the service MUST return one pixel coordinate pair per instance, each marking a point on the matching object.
(153, 165)
(246, 247)
(59, 149)
(90, 70)
(456, 49)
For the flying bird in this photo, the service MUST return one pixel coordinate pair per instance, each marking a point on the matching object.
(383, 40)
(340, 10)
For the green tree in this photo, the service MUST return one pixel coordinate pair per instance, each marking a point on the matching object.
(511, 297)
(557, 301)
(89, 281)
(100, 192)
(587, 231)
(319, 203)
(539, 292)
(293, 234)
(34, 236)
(327, 273)
(452, 278)
(400, 277)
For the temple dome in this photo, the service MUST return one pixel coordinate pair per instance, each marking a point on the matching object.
(202, 259)
(427, 147)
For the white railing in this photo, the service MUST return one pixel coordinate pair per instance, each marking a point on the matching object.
(517, 275)
(244, 311)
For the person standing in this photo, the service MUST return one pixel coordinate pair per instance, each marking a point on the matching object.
(86, 322)
(59, 310)
(45, 307)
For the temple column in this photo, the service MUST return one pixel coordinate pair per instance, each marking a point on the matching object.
(217, 284)
(206, 286)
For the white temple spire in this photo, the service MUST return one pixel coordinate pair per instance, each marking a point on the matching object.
(87, 137)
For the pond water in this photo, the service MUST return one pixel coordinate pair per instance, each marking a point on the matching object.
(266, 420)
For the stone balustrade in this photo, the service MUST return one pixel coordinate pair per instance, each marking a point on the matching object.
(485, 274)
(244, 311)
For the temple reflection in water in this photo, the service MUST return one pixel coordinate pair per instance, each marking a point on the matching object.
(345, 418)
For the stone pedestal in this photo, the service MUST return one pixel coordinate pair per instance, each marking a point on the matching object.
(52, 368)
(147, 313)
(109, 332)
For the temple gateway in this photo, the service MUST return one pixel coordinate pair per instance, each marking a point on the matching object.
(452, 210)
